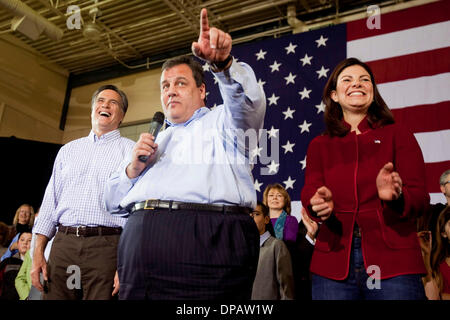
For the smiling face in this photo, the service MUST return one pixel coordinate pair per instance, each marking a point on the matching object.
(275, 199)
(107, 113)
(354, 90)
(24, 214)
(180, 96)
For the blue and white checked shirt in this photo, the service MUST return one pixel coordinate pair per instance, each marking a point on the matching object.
(201, 160)
(74, 194)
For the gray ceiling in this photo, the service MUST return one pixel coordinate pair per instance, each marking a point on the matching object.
(146, 31)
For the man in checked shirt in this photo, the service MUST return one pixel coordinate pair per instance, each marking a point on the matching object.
(82, 262)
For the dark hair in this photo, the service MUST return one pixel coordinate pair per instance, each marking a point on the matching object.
(123, 96)
(378, 113)
(266, 213)
(442, 250)
(194, 65)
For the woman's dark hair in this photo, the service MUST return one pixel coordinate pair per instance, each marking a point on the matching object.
(442, 250)
(378, 113)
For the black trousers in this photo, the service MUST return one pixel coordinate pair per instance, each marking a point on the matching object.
(187, 255)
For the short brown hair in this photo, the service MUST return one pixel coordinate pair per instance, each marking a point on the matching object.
(195, 66)
(378, 113)
(282, 190)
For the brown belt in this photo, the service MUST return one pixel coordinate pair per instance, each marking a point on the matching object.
(89, 231)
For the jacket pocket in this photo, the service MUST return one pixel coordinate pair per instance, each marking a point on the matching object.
(399, 233)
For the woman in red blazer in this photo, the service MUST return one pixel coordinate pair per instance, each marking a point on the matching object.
(365, 184)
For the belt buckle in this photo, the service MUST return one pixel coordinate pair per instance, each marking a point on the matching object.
(147, 207)
(78, 228)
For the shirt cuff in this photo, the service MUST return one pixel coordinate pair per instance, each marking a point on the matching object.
(312, 241)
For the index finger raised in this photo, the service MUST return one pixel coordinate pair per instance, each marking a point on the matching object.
(204, 23)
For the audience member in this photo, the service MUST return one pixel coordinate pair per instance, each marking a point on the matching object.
(279, 203)
(301, 257)
(429, 220)
(365, 181)
(441, 256)
(10, 266)
(23, 221)
(86, 233)
(274, 278)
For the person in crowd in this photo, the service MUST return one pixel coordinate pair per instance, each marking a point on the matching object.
(23, 278)
(10, 266)
(23, 220)
(274, 277)
(365, 181)
(278, 200)
(441, 256)
(72, 210)
(428, 221)
(189, 234)
(301, 258)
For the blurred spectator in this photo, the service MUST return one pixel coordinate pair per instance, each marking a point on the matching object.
(279, 203)
(10, 266)
(440, 264)
(23, 221)
(274, 279)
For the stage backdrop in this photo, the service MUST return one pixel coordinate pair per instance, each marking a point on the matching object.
(27, 166)
(409, 56)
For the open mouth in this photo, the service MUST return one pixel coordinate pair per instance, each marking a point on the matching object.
(105, 114)
(356, 93)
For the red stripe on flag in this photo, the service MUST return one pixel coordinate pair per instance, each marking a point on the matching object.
(401, 20)
(425, 118)
(415, 65)
(433, 173)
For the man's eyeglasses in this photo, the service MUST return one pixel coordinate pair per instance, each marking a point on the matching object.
(448, 181)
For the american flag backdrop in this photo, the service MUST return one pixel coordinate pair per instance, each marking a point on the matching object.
(410, 58)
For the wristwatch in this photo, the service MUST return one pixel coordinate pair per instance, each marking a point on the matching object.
(220, 65)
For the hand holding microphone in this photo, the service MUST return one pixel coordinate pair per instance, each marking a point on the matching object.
(145, 147)
(155, 127)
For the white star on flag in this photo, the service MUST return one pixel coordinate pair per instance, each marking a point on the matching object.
(275, 66)
(273, 99)
(303, 163)
(321, 41)
(288, 113)
(288, 147)
(261, 83)
(290, 78)
(273, 132)
(306, 60)
(260, 55)
(257, 185)
(305, 93)
(322, 72)
(320, 107)
(205, 67)
(289, 183)
(273, 166)
(305, 126)
(290, 48)
(256, 152)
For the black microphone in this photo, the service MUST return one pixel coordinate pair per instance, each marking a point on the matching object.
(155, 127)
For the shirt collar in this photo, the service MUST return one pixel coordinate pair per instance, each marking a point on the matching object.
(109, 136)
(363, 126)
(197, 114)
(263, 238)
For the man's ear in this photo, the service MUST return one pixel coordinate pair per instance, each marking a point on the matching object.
(266, 220)
(202, 89)
(443, 189)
